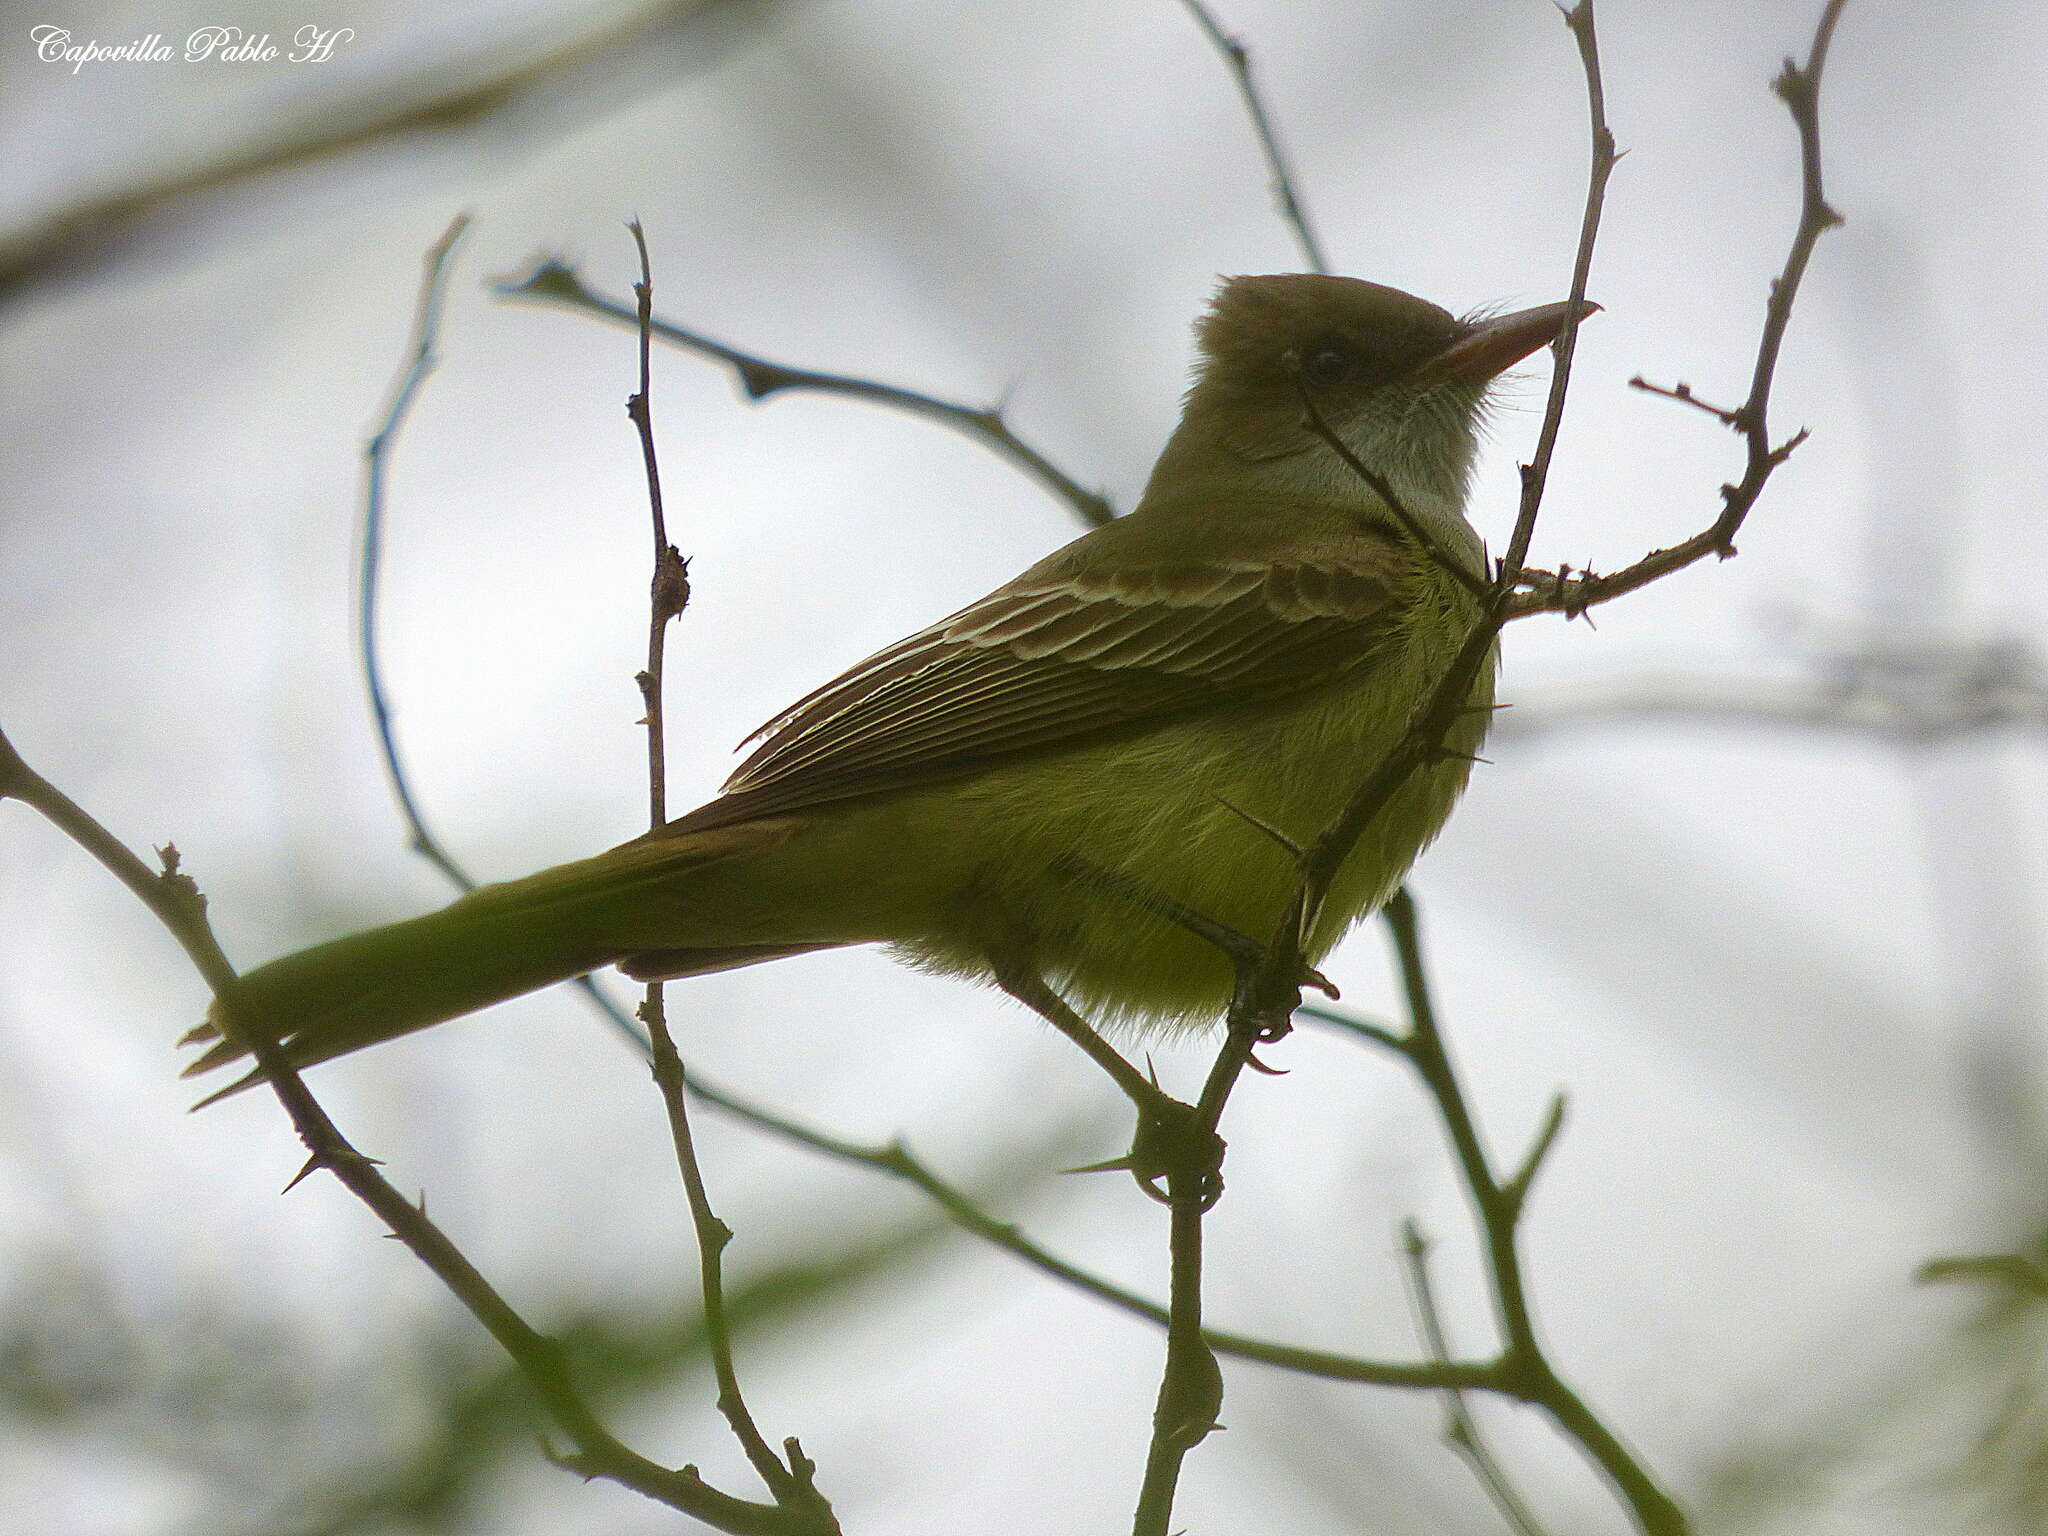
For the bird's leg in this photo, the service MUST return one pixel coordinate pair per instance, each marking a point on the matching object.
(1247, 956)
(1168, 1139)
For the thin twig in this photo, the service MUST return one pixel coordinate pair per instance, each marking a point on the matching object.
(1515, 1192)
(1292, 208)
(177, 903)
(1190, 1384)
(1682, 393)
(554, 282)
(1798, 86)
(792, 1484)
(1536, 473)
(1461, 1430)
(421, 361)
(669, 588)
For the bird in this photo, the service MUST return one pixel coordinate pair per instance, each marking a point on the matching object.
(1167, 702)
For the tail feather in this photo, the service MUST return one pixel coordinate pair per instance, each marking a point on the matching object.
(496, 943)
(370, 987)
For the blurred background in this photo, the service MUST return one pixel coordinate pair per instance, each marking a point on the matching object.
(1755, 876)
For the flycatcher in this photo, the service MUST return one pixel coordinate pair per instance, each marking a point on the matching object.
(1241, 649)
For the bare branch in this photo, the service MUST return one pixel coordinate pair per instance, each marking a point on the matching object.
(177, 903)
(1461, 1430)
(1536, 473)
(1682, 393)
(370, 550)
(1292, 208)
(553, 282)
(792, 1484)
(1798, 86)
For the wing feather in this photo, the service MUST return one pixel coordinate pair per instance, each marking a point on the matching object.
(1051, 661)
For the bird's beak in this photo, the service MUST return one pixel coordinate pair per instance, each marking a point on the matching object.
(1490, 346)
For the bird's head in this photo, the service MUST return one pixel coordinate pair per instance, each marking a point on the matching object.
(1399, 379)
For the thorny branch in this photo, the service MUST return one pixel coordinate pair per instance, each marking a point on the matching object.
(1798, 86)
(792, 1482)
(177, 903)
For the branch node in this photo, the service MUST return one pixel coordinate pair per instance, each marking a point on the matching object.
(669, 593)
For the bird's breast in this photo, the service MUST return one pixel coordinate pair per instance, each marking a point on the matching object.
(1096, 843)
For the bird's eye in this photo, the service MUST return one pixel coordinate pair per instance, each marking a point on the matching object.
(1326, 365)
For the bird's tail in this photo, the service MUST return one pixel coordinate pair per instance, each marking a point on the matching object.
(496, 943)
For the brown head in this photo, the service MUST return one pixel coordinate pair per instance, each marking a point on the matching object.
(1399, 378)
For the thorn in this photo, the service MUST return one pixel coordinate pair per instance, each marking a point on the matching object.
(1266, 827)
(313, 1165)
(1121, 1164)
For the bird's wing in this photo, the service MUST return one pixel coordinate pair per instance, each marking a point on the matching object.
(1050, 661)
